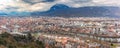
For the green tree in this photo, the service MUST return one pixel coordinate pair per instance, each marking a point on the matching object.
(30, 37)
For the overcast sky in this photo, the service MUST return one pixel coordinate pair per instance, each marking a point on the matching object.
(43, 5)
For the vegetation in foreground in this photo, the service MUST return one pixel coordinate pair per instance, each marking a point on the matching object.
(19, 41)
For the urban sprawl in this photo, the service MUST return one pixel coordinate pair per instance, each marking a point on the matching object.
(76, 32)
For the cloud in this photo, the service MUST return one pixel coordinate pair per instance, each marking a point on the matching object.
(107, 2)
(43, 5)
(37, 1)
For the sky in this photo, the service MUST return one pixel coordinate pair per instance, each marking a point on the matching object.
(25, 6)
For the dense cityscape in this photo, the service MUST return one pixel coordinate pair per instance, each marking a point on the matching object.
(74, 32)
(59, 24)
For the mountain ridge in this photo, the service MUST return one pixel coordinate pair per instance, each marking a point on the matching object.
(89, 11)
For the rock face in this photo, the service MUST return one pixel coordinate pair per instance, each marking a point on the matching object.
(91, 11)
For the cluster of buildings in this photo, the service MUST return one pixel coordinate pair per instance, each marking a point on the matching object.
(68, 41)
(101, 29)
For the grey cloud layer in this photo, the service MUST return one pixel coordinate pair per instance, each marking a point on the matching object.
(43, 5)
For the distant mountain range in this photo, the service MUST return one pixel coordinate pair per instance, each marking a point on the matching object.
(90, 11)
(2, 14)
(60, 10)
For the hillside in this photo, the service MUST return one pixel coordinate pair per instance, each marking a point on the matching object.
(10, 41)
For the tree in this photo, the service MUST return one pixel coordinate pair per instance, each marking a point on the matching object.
(30, 37)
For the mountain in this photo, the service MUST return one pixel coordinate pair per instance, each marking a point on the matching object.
(14, 13)
(90, 11)
(2, 14)
(59, 7)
